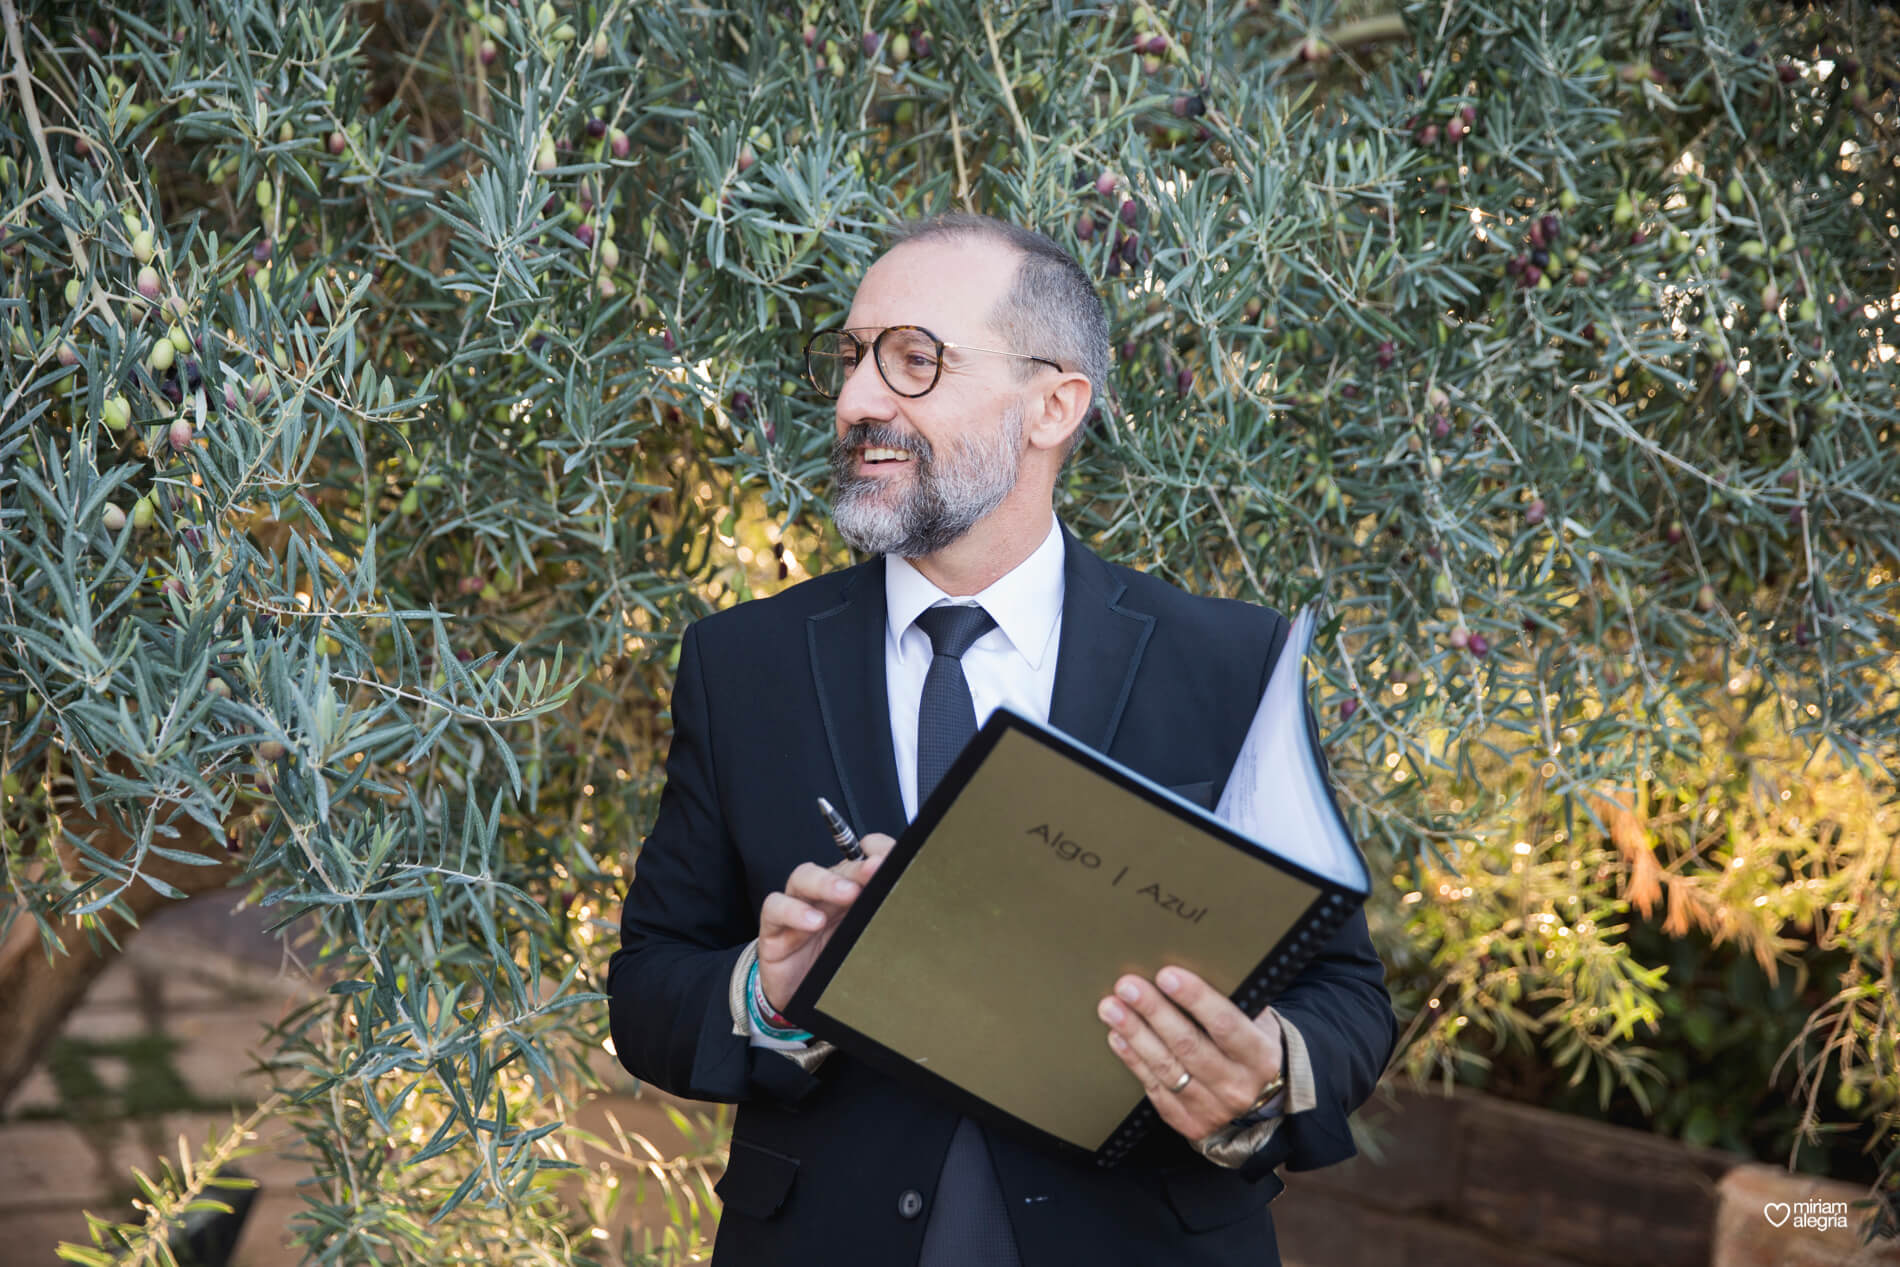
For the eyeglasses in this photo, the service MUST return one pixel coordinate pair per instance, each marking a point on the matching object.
(910, 358)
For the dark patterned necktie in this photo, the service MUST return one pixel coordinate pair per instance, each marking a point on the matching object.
(969, 1226)
(946, 717)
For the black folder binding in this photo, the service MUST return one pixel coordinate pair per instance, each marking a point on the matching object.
(1036, 873)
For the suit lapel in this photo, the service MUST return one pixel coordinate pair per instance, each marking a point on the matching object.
(847, 666)
(1100, 650)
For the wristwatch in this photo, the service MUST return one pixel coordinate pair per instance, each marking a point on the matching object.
(1258, 1111)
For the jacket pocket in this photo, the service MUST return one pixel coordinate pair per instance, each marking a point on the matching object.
(756, 1180)
(1206, 1199)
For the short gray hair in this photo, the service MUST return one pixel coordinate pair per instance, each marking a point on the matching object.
(1052, 308)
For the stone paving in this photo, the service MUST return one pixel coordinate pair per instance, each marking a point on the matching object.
(165, 1045)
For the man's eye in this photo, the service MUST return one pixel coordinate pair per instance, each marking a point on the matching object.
(921, 360)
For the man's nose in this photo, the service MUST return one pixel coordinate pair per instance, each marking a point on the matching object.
(865, 394)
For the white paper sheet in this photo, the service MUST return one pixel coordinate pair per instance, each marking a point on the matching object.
(1276, 793)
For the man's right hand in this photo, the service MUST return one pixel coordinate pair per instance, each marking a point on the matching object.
(795, 925)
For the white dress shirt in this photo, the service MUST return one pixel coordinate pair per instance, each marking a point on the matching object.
(1013, 664)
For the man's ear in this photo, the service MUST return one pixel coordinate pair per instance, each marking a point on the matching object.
(1058, 410)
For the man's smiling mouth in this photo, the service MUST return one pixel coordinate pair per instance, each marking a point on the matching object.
(873, 456)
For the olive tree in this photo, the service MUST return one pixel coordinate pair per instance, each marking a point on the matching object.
(385, 388)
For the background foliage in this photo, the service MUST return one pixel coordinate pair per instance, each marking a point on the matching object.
(342, 553)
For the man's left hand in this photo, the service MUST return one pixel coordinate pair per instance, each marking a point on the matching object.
(1186, 1026)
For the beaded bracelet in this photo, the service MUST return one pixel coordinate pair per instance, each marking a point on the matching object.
(765, 1017)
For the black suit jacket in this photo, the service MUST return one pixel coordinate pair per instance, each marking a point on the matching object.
(782, 700)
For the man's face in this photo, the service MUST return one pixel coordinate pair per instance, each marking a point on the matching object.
(911, 475)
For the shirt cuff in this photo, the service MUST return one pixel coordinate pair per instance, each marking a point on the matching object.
(1234, 1143)
(806, 1055)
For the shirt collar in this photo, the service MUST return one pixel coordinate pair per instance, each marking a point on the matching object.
(1025, 600)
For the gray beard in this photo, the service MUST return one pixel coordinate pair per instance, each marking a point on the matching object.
(938, 506)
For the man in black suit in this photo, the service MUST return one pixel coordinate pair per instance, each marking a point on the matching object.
(972, 353)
